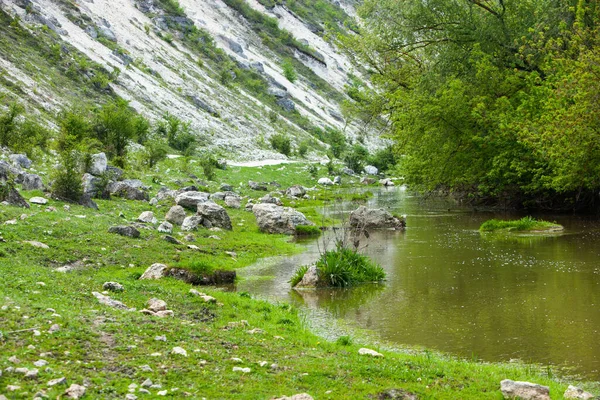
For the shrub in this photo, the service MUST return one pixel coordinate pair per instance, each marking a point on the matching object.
(313, 170)
(74, 127)
(383, 159)
(345, 267)
(308, 230)
(344, 340)
(8, 123)
(178, 133)
(523, 224)
(298, 275)
(303, 148)
(281, 143)
(21, 135)
(356, 158)
(156, 150)
(209, 164)
(67, 179)
(288, 70)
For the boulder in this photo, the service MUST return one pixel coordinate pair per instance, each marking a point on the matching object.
(574, 392)
(75, 391)
(165, 194)
(91, 184)
(20, 160)
(386, 182)
(191, 223)
(295, 191)
(337, 180)
(347, 171)
(272, 218)
(269, 199)
(371, 170)
(176, 215)
(32, 182)
(215, 215)
(38, 200)
(217, 196)
(86, 201)
(310, 278)
(113, 287)
(165, 227)
(325, 182)
(155, 271)
(147, 217)
(233, 201)
(367, 181)
(368, 218)
(14, 198)
(524, 390)
(114, 173)
(191, 200)
(128, 189)
(226, 187)
(257, 186)
(98, 164)
(123, 230)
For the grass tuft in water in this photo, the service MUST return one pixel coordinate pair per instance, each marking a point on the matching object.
(308, 230)
(298, 275)
(346, 267)
(521, 225)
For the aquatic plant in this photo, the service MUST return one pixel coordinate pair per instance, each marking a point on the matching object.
(521, 225)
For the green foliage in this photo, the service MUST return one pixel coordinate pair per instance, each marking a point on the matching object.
(308, 230)
(156, 150)
(355, 159)
(209, 165)
(345, 340)
(384, 159)
(67, 178)
(500, 105)
(521, 225)
(21, 134)
(74, 129)
(178, 134)
(298, 275)
(333, 137)
(282, 143)
(303, 148)
(288, 70)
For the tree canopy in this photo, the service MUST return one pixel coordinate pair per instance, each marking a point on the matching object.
(491, 99)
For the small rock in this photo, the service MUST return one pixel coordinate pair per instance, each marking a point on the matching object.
(144, 391)
(21, 370)
(39, 245)
(13, 388)
(58, 381)
(172, 240)
(301, 396)
(38, 200)
(127, 231)
(257, 186)
(176, 215)
(156, 305)
(369, 352)
(191, 223)
(574, 392)
(75, 391)
(371, 170)
(107, 301)
(162, 393)
(161, 338)
(14, 360)
(179, 351)
(146, 368)
(54, 328)
(325, 182)
(147, 217)
(155, 271)
(165, 227)
(524, 390)
(130, 396)
(113, 287)
(241, 369)
(147, 383)
(40, 363)
(337, 180)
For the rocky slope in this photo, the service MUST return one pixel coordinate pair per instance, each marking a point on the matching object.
(215, 63)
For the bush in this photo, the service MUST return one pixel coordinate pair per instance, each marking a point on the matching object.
(67, 180)
(178, 133)
(21, 135)
(156, 150)
(303, 148)
(288, 70)
(298, 275)
(209, 164)
(383, 159)
(308, 230)
(356, 158)
(75, 127)
(345, 267)
(281, 143)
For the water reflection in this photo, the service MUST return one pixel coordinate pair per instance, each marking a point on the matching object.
(450, 288)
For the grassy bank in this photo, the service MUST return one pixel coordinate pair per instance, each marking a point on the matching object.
(525, 224)
(52, 316)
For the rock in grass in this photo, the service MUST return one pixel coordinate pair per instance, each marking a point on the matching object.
(398, 394)
(310, 278)
(32, 182)
(58, 381)
(191, 200)
(38, 200)
(300, 396)
(371, 170)
(147, 217)
(113, 287)
(179, 351)
(191, 223)
(574, 392)
(128, 189)
(107, 301)
(176, 215)
(165, 227)
(275, 219)
(215, 215)
(155, 271)
(20, 161)
(325, 182)
(124, 230)
(75, 391)
(524, 390)
(156, 305)
(245, 370)
(172, 240)
(369, 352)
(37, 244)
(233, 201)
(98, 164)
(257, 186)
(295, 191)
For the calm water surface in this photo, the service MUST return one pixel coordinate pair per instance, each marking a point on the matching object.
(449, 288)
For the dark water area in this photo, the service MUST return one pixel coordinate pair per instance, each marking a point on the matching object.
(450, 288)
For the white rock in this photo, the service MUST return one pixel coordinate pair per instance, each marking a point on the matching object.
(371, 170)
(38, 200)
(165, 227)
(369, 352)
(98, 164)
(130, 396)
(40, 363)
(301, 396)
(147, 383)
(524, 390)
(574, 392)
(75, 391)
(162, 393)
(147, 217)
(157, 305)
(32, 374)
(155, 271)
(179, 351)
(240, 369)
(325, 181)
(37, 244)
(58, 381)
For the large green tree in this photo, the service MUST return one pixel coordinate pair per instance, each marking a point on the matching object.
(495, 99)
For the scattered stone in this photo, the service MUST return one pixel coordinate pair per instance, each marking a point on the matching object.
(268, 199)
(172, 240)
(161, 338)
(179, 351)
(153, 201)
(337, 180)
(191, 200)
(13, 388)
(191, 223)
(38, 200)
(162, 393)
(32, 182)
(124, 230)
(348, 171)
(144, 391)
(176, 215)
(257, 186)
(371, 170)
(301, 396)
(215, 215)
(165, 227)
(310, 278)
(366, 218)
(147, 217)
(130, 396)
(275, 219)
(233, 201)
(524, 390)
(156, 305)
(295, 191)
(256, 331)
(369, 352)
(98, 164)
(58, 381)
(386, 182)
(54, 328)
(75, 391)
(396, 394)
(241, 369)
(189, 238)
(146, 368)
(226, 187)
(113, 287)
(20, 160)
(21, 370)
(37, 244)
(574, 392)
(325, 182)
(107, 301)
(367, 181)
(40, 363)
(147, 383)
(130, 189)
(193, 247)
(155, 271)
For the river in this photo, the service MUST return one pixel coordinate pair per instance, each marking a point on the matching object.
(449, 288)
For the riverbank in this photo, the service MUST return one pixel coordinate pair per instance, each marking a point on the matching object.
(53, 326)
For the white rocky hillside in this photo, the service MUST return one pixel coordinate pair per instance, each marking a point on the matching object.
(160, 72)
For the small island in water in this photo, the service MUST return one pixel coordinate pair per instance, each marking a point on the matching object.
(523, 225)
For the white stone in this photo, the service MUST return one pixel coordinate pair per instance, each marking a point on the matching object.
(179, 351)
(325, 182)
(58, 381)
(524, 390)
(155, 271)
(75, 391)
(241, 369)
(38, 200)
(369, 352)
(574, 392)
(147, 217)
